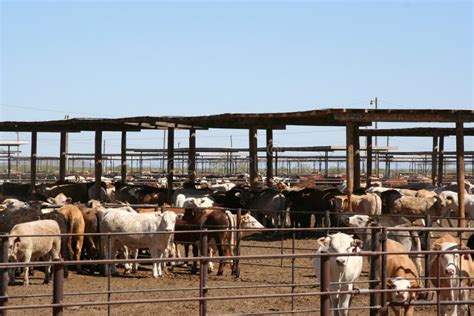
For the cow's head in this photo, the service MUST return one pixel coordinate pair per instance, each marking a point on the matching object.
(13, 246)
(450, 262)
(359, 221)
(340, 243)
(168, 220)
(401, 284)
(248, 221)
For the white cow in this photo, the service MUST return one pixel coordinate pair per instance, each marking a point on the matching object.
(125, 222)
(11, 205)
(451, 204)
(193, 202)
(344, 269)
(27, 249)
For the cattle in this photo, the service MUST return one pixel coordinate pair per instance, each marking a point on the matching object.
(451, 204)
(147, 230)
(402, 275)
(19, 190)
(27, 249)
(78, 192)
(139, 194)
(91, 247)
(344, 269)
(75, 225)
(12, 204)
(414, 207)
(303, 204)
(369, 203)
(425, 193)
(269, 204)
(180, 195)
(211, 219)
(11, 218)
(193, 202)
(60, 199)
(470, 244)
(409, 239)
(455, 270)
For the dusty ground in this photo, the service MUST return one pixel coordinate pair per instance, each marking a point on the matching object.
(181, 284)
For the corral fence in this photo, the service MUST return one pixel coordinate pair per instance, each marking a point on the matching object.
(375, 287)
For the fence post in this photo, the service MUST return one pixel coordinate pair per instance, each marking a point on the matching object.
(383, 272)
(236, 271)
(327, 219)
(203, 275)
(325, 284)
(374, 269)
(293, 235)
(4, 273)
(427, 246)
(58, 287)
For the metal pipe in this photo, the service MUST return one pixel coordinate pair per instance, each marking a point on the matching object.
(58, 287)
(4, 272)
(325, 299)
(204, 266)
(374, 268)
(383, 272)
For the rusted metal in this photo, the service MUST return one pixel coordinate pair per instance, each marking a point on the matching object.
(170, 164)
(383, 271)
(253, 159)
(192, 154)
(98, 164)
(123, 157)
(350, 159)
(460, 172)
(428, 223)
(325, 299)
(293, 237)
(62, 156)
(440, 160)
(4, 272)
(58, 287)
(269, 157)
(374, 268)
(34, 146)
(356, 143)
(438, 281)
(434, 160)
(369, 160)
(237, 244)
(204, 266)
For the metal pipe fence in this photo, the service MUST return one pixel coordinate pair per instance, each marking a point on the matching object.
(377, 289)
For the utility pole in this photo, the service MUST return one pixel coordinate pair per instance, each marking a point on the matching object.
(377, 165)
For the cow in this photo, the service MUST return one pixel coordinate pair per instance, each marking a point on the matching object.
(147, 230)
(451, 204)
(193, 202)
(344, 269)
(303, 204)
(78, 192)
(409, 239)
(470, 244)
(425, 193)
(139, 194)
(91, 247)
(27, 249)
(180, 195)
(211, 219)
(369, 203)
(75, 225)
(414, 207)
(402, 275)
(12, 204)
(455, 270)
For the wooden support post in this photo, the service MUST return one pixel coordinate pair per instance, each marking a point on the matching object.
(253, 158)
(356, 157)
(192, 155)
(123, 157)
(350, 160)
(62, 156)
(460, 171)
(34, 150)
(269, 157)
(98, 164)
(369, 160)
(440, 160)
(276, 163)
(170, 169)
(326, 164)
(434, 160)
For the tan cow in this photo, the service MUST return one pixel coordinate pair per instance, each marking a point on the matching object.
(455, 270)
(402, 275)
(411, 205)
(369, 203)
(75, 225)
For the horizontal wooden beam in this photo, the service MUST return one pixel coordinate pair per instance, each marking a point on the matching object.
(415, 132)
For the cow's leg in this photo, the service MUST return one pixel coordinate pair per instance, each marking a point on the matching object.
(77, 251)
(464, 308)
(47, 269)
(26, 280)
(220, 249)
(212, 251)
(444, 308)
(135, 264)
(127, 267)
(195, 255)
(156, 254)
(335, 297)
(345, 299)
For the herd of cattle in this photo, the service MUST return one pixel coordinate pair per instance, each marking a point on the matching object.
(67, 208)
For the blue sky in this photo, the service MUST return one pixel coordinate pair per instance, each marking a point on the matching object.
(112, 59)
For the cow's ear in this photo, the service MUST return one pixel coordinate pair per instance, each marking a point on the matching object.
(324, 241)
(17, 239)
(465, 255)
(414, 285)
(436, 246)
(449, 200)
(389, 284)
(68, 201)
(245, 218)
(357, 243)
(237, 194)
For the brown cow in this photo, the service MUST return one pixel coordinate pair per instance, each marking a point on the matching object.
(455, 270)
(402, 275)
(369, 203)
(75, 225)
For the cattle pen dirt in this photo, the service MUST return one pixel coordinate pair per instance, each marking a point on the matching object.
(265, 286)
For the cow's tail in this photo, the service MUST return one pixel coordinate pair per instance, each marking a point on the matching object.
(378, 204)
(231, 226)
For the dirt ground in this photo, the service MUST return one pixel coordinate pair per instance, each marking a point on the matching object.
(261, 277)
